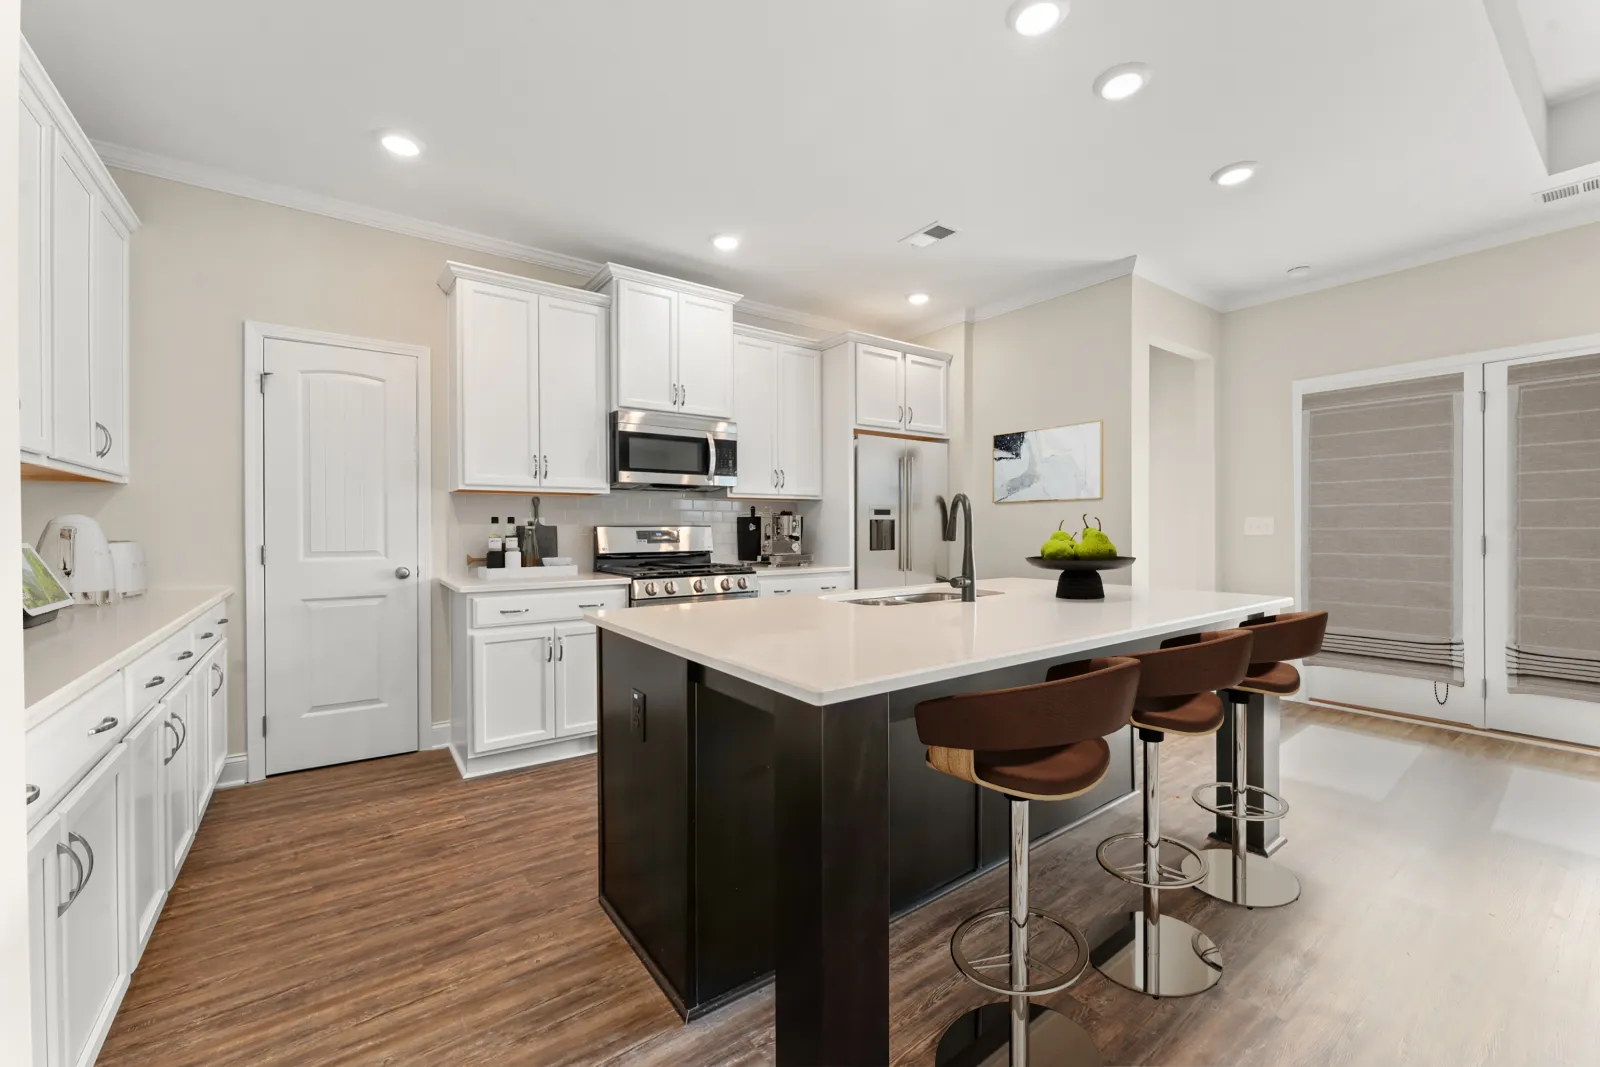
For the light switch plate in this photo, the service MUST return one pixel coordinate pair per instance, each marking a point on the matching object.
(1258, 526)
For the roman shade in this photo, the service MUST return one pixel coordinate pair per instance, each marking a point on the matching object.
(1554, 645)
(1382, 502)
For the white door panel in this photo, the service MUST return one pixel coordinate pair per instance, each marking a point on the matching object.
(799, 422)
(217, 710)
(647, 346)
(705, 357)
(513, 684)
(577, 673)
(44, 970)
(148, 744)
(880, 388)
(499, 384)
(755, 396)
(176, 777)
(926, 381)
(71, 223)
(91, 942)
(108, 341)
(572, 395)
(341, 527)
(33, 188)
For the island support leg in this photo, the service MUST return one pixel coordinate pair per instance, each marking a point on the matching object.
(831, 813)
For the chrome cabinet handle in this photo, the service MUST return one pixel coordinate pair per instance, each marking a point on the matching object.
(911, 414)
(177, 743)
(100, 428)
(33, 792)
(561, 648)
(549, 651)
(222, 621)
(683, 395)
(185, 655)
(829, 588)
(901, 417)
(185, 737)
(783, 477)
(513, 611)
(546, 467)
(208, 635)
(782, 592)
(87, 875)
(63, 850)
(592, 606)
(220, 678)
(402, 572)
(152, 683)
(774, 477)
(674, 394)
(107, 723)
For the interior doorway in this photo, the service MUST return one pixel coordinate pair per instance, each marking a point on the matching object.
(1181, 487)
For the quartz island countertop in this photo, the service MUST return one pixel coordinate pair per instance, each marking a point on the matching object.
(823, 650)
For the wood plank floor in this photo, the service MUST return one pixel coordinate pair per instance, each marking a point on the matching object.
(391, 913)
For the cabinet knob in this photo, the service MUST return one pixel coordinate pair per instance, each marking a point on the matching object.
(402, 572)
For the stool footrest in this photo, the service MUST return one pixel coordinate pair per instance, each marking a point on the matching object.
(1257, 812)
(992, 972)
(1133, 873)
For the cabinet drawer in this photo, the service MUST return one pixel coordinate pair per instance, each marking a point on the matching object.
(806, 584)
(207, 630)
(60, 750)
(519, 609)
(157, 671)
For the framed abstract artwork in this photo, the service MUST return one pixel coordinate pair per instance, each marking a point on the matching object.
(1058, 463)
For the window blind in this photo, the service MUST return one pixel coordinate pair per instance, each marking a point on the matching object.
(1554, 644)
(1382, 496)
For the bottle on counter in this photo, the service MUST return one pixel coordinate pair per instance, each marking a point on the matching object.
(511, 552)
(496, 553)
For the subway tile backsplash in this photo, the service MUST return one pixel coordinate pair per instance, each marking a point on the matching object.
(575, 518)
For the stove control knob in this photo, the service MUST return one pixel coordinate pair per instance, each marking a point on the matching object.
(743, 584)
(699, 586)
(672, 587)
(649, 588)
(725, 585)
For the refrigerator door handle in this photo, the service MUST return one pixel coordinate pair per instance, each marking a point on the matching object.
(911, 467)
(900, 506)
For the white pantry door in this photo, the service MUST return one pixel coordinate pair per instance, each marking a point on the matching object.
(340, 476)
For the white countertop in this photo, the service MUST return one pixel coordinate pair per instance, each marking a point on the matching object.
(810, 568)
(823, 650)
(462, 584)
(85, 645)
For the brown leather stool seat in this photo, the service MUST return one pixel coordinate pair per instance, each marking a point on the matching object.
(1145, 950)
(1256, 881)
(1033, 742)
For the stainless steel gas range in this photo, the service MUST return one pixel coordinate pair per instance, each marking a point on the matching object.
(669, 565)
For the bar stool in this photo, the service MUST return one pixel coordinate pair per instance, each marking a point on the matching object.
(1034, 742)
(1249, 880)
(1144, 950)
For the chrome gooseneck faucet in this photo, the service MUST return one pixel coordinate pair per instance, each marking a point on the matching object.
(966, 582)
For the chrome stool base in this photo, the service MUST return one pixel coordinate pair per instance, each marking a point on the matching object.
(1265, 884)
(1182, 962)
(982, 1038)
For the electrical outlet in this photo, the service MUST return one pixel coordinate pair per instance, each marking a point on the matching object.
(636, 715)
(1258, 526)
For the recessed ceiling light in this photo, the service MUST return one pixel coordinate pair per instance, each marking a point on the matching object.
(1300, 271)
(401, 144)
(1034, 17)
(918, 299)
(1122, 81)
(725, 242)
(1236, 173)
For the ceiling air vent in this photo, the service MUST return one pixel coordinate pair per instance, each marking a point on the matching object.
(1563, 193)
(929, 234)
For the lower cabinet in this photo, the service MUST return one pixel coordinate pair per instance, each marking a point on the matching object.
(178, 775)
(577, 695)
(512, 674)
(805, 584)
(148, 744)
(212, 677)
(43, 864)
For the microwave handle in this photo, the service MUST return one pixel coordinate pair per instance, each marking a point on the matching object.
(711, 455)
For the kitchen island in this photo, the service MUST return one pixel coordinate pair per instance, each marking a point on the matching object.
(764, 805)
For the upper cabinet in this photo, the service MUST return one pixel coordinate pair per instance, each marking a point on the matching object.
(73, 230)
(674, 348)
(899, 388)
(778, 409)
(527, 383)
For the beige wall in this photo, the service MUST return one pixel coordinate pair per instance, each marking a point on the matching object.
(1052, 364)
(1180, 508)
(202, 264)
(1542, 289)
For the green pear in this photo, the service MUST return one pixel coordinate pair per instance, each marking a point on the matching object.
(1093, 543)
(1060, 545)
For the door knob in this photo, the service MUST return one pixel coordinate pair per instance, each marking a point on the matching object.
(402, 572)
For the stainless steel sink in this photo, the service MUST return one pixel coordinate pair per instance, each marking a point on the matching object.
(917, 598)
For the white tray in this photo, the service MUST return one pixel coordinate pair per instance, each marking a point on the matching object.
(522, 574)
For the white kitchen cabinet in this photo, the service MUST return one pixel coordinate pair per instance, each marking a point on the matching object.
(803, 584)
(927, 401)
(799, 422)
(576, 696)
(528, 383)
(178, 776)
(215, 680)
(512, 676)
(90, 954)
(755, 411)
(35, 152)
(43, 894)
(74, 226)
(147, 745)
(778, 409)
(674, 343)
(880, 388)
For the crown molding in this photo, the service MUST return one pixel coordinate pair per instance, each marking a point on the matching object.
(820, 323)
(610, 272)
(454, 272)
(761, 333)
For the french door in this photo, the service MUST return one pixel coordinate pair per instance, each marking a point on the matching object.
(1542, 546)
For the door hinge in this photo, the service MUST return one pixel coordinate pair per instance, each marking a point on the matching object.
(1486, 689)
(263, 726)
(264, 376)
(1483, 400)
(1485, 545)
(263, 555)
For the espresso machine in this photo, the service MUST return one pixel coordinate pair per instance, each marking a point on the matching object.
(775, 539)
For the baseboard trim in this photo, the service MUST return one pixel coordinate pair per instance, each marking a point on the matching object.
(235, 771)
(518, 759)
(440, 737)
(1455, 727)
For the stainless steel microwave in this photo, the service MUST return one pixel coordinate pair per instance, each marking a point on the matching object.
(661, 450)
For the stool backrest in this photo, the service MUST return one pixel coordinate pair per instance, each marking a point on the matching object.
(1282, 637)
(1196, 663)
(1083, 700)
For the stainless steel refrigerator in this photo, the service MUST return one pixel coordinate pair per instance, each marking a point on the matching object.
(899, 485)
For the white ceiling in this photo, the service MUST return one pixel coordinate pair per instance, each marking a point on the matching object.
(1565, 38)
(823, 131)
